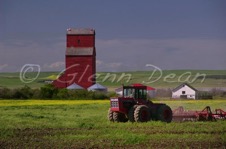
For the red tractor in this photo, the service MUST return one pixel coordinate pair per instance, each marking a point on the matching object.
(135, 107)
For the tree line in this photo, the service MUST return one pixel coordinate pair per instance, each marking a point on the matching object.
(50, 92)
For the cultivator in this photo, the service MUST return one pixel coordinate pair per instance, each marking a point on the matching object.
(180, 114)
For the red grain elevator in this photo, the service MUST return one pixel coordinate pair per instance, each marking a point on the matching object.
(80, 59)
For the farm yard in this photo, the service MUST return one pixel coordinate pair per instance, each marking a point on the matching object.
(84, 124)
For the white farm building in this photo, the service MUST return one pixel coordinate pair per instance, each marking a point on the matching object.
(185, 91)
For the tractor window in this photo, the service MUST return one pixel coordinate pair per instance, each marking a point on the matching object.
(129, 92)
(142, 94)
(145, 94)
(136, 94)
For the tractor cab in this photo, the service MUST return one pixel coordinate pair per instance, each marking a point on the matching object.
(131, 95)
(135, 92)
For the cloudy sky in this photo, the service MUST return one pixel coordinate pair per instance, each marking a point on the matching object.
(170, 34)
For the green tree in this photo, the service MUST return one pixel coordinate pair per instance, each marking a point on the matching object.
(48, 91)
(63, 93)
(22, 93)
(5, 93)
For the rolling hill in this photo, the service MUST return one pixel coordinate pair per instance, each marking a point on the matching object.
(157, 79)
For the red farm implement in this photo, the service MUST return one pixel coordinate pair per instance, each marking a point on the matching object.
(180, 114)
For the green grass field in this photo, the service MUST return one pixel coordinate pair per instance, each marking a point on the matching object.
(168, 79)
(84, 124)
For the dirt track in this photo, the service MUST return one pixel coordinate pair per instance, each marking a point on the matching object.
(47, 138)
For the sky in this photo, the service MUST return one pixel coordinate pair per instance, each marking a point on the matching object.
(168, 34)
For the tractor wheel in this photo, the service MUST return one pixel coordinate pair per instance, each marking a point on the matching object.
(119, 117)
(142, 114)
(131, 113)
(110, 115)
(165, 114)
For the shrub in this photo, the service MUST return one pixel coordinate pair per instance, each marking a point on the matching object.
(48, 91)
(111, 94)
(63, 94)
(22, 93)
(78, 94)
(36, 94)
(5, 93)
(99, 95)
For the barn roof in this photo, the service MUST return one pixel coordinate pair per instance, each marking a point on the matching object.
(182, 85)
(97, 86)
(80, 31)
(80, 51)
(74, 86)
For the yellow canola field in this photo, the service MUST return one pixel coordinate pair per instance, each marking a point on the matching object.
(187, 104)
(49, 102)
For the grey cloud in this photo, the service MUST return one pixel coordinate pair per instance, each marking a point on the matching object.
(164, 53)
(60, 65)
(17, 53)
(119, 54)
(112, 67)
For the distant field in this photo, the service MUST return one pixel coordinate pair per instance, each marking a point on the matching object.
(84, 124)
(168, 78)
